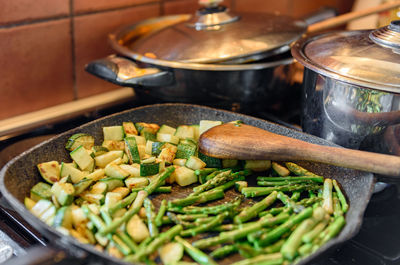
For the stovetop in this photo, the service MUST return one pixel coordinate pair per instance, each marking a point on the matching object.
(378, 241)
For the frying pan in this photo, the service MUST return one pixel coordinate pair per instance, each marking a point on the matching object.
(20, 174)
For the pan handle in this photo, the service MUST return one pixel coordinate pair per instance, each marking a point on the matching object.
(124, 72)
(45, 255)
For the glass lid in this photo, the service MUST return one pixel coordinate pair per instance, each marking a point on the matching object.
(363, 57)
(215, 35)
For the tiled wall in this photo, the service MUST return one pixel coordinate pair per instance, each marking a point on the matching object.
(44, 44)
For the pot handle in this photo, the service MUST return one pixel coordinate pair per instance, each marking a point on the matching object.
(124, 72)
(44, 255)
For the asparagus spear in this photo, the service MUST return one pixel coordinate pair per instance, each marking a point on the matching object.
(195, 253)
(161, 189)
(231, 236)
(262, 191)
(161, 212)
(282, 183)
(273, 211)
(298, 170)
(134, 209)
(156, 182)
(314, 178)
(229, 184)
(341, 196)
(191, 217)
(227, 206)
(203, 173)
(251, 212)
(219, 179)
(206, 226)
(327, 196)
(276, 233)
(155, 244)
(289, 248)
(332, 230)
(224, 251)
(270, 259)
(311, 235)
(289, 202)
(275, 247)
(296, 196)
(200, 198)
(149, 207)
(122, 203)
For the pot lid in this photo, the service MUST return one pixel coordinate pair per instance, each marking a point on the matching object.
(366, 58)
(214, 35)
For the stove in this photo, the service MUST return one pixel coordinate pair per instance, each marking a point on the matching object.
(378, 241)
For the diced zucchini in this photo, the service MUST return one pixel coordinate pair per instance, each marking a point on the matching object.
(99, 150)
(86, 140)
(111, 199)
(148, 127)
(125, 159)
(136, 182)
(134, 169)
(40, 207)
(148, 136)
(139, 139)
(41, 191)
(114, 171)
(113, 133)
(50, 171)
(149, 145)
(99, 188)
(67, 179)
(149, 169)
(169, 138)
(185, 150)
(226, 163)
(168, 153)
(167, 129)
(205, 125)
(64, 192)
(179, 162)
(129, 128)
(149, 160)
(184, 131)
(195, 163)
(171, 252)
(103, 160)
(137, 229)
(82, 185)
(196, 130)
(48, 215)
(280, 170)
(67, 169)
(81, 157)
(113, 145)
(210, 161)
(157, 147)
(78, 216)
(122, 190)
(257, 165)
(131, 148)
(29, 203)
(112, 183)
(142, 151)
(93, 198)
(96, 175)
(63, 217)
(185, 176)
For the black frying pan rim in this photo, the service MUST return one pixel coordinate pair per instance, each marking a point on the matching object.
(71, 245)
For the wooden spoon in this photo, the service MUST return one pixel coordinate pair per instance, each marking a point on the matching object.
(240, 141)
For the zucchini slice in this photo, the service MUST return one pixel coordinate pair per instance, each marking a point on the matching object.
(149, 169)
(67, 169)
(184, 131)
(113, 145)
(167, 129)
(114, 171)
(184, 176)
(50, 171)
(257, 165)
(64, 192)
(206, 124)
(129, 128)
(195, 163)
(103, 160)
(131, 149)
(63, 217)
(41, 191)
(86, 140)
(81, 157)
(115, 133)
(136, 182)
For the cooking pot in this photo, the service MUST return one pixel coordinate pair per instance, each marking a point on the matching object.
(351, 89)
(212, 56)
(20, 175)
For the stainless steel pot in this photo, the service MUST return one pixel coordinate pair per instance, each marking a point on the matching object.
(351, 89)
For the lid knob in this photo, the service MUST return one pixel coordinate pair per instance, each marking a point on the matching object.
(388, 36)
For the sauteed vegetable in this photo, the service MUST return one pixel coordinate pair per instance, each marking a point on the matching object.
(105, 197)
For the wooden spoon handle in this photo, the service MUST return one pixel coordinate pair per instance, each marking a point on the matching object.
(343, 19)
(243, 142)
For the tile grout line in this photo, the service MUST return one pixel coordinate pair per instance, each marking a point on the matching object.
(41, 20)
(73, 53)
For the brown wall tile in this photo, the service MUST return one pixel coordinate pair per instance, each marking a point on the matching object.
(12, 11)
(36, 67)
(91, 42)
(83, 6)
(180, 7)
(268, 6)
